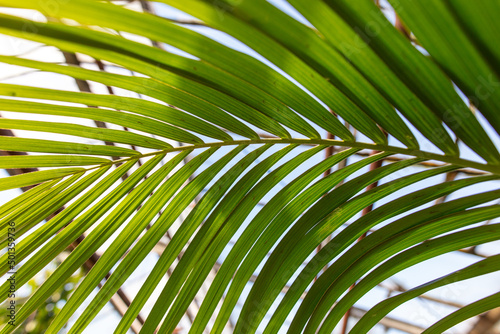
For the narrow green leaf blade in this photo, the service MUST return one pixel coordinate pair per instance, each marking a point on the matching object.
(29, 179)
(454, 52)
(26, 161)
(51, 146)
(466, 312)
(191, 223)
(483, 267)
(138, 106)
(110, 135)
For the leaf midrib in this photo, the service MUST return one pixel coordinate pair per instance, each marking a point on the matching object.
(463, 163)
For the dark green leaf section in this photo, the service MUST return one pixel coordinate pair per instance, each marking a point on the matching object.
(306, 45)
(373, 41)
(479, 21)
(377, 312)
(330, 62)
(454, 52)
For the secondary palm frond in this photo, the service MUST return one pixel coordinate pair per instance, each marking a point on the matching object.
(256, 124)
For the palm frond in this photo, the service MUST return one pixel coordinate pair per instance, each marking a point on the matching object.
(224, 152)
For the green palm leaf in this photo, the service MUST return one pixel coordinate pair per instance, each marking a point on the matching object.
(222, 151)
